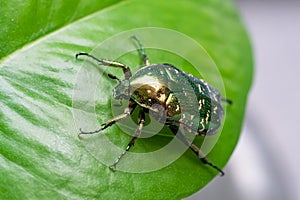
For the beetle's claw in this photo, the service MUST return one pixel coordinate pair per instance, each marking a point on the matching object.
(221, 173)
(113, 167)
(76, 55)
(229, 101)
(78, 135)
(80, 54)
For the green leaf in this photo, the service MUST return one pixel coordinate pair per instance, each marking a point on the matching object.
(42, 94)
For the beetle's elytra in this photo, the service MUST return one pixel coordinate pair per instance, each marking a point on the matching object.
(163, 89)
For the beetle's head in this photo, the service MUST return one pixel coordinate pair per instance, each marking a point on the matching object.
(121, 91)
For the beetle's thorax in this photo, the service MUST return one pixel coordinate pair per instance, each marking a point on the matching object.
(148, 90)
(151, 93)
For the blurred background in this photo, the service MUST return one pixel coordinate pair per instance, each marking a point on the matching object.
(266, 162)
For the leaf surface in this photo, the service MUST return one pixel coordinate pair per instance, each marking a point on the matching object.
(41, 155)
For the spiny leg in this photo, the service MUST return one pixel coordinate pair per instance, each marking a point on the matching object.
(133, 139)
(126, 70)
(142, 51)
(127, 111)
(195, 149)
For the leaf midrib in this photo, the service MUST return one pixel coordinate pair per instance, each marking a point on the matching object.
(53, 32)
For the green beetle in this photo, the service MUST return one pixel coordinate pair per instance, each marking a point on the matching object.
(173, 97)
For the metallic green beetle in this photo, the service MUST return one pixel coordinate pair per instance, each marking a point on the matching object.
(173, 97)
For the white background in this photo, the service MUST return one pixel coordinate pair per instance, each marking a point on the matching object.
(266, 162)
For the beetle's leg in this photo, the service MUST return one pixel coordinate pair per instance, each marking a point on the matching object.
(142, 51)
(194, 148)
(126, 70)
(128, 111)
(133, 139)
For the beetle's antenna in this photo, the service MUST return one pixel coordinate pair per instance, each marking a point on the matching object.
(229, 101)
(114, 77)
(126, 70)
(142, 51)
